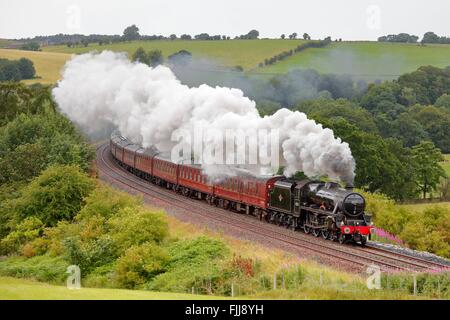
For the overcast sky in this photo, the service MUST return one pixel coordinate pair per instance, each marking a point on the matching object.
(347, 19)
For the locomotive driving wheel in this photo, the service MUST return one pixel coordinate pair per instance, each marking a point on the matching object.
(325, 234)
(316, 232)
(306, 229)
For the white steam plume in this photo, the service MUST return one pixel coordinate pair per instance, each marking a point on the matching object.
(148, 104)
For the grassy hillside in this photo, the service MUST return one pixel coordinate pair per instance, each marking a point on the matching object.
(19, 289)
(366, 60)
(245, 53)
(47, 64)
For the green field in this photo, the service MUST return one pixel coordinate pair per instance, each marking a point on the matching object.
(366, 60)
(47, 64)
(21, 289)
(245, 53)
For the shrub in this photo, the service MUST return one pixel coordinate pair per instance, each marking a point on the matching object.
(140, 264)
(42, 268)
(107, 202)
(134, 226)
(427, 230)
(89, 254)
(101, 277)
(57, 194)
(193, 263)
(27, 230)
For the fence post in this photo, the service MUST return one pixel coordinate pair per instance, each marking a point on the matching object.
(415, 284)
(192, 290)
(232, 289)
(283, 284)
(320, 279)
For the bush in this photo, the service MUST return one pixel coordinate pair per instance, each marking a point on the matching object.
(89, 254)
(27, 230)
(427, 230)
(140, 264)
(101, 277)
(135, 226)
(193, 263)
(57, 194)
(107, 202)
(16, 70)
(42, 268)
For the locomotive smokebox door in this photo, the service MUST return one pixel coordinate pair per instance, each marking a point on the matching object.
(281, 197)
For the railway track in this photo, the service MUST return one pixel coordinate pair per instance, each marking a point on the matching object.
(348, 257)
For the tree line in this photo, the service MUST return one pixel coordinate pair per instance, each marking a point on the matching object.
(428, 37)
(285, 54)
(16, 70)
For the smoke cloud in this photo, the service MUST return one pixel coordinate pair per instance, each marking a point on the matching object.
(148, 104)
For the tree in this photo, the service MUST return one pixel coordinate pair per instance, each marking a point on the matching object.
(185, 37)
(381, 165)
(26, 68)
(131, 33)
(11, 72)
(427, 82)
(408, 130)
(427, 169)
(253, 34)
(443, 102)
(155, 57)
(141, 56)
(31, 46)
(23, 163)
(57, 194)
(430, 37)
(283, 36)
(435, 121)
(202, 36)
(306, 36)
(401, 37)
(293, 36)
(173, 37)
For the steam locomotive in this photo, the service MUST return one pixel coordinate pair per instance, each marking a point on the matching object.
(323, 209)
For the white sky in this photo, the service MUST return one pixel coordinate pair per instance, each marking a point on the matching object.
(347, 19)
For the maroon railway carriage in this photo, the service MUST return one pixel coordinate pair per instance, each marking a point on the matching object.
(144, 162)
(118, 144)
(129, 156)
(193, 182)
(165, 171)
(245, 193)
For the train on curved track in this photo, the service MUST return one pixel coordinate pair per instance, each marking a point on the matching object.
(324, 209)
